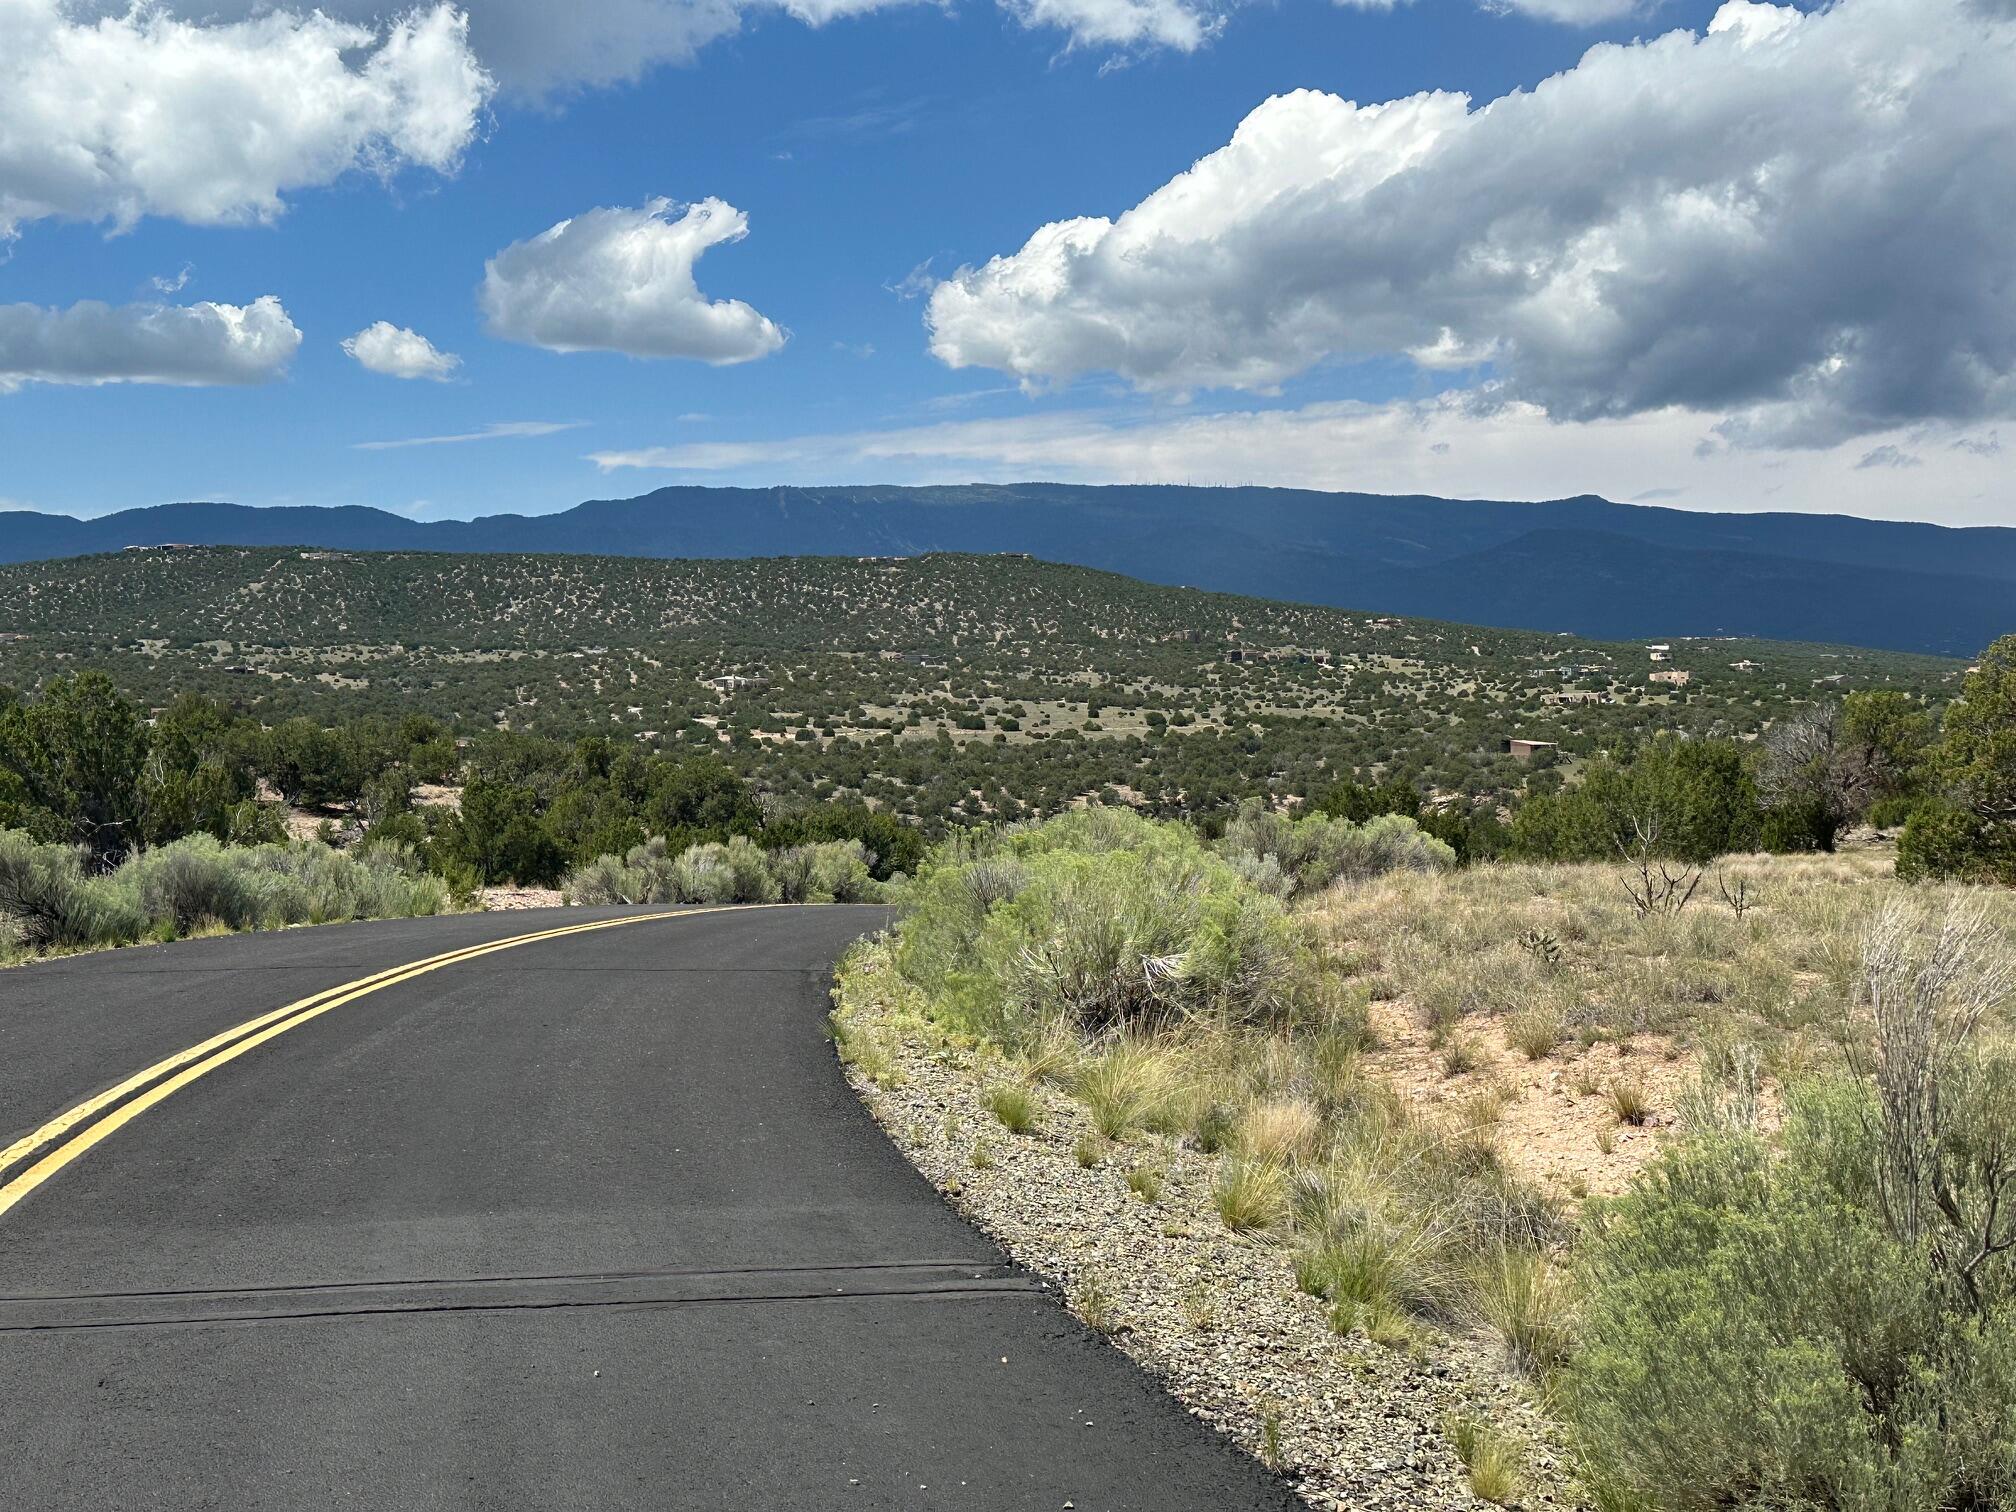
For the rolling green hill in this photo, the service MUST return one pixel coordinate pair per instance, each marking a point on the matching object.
(951, 687)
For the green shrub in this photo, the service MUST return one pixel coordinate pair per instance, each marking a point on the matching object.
(1757, 1334)
(1101, 920)
(49, 903)
(192, 882)
(607, 880)
(1941, 840)
(1287, 857)
(834, 871)
(736, 872)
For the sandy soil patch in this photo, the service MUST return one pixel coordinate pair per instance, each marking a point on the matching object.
(504, 899)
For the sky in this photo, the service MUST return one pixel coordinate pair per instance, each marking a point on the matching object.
(511, 256)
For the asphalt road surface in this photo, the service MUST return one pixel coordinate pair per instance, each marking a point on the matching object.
(590, 1221)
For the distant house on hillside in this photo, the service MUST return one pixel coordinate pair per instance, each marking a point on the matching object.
(1676, 677)
(735, 682)
(1526, 750)
(1660, 653)
(1746, 665)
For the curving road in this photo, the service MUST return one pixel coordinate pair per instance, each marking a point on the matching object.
(588, 1222)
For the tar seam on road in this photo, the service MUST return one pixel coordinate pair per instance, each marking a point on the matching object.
(120, 1104)
(926, 1280)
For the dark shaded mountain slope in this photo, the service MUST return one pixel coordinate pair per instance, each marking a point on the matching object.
(1581, 564)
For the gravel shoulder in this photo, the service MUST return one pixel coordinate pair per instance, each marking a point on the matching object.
(1216, 1316)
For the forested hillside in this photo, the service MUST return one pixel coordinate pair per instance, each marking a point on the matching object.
(947, 688)
(1582, 564)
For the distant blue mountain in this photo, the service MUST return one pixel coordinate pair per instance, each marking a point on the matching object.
(1582, 564)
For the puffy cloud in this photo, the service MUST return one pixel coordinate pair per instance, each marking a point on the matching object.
(1452, 446)
(1798, 221)
(140, 113)
(382, 347)
(622, 281)
(188, 345)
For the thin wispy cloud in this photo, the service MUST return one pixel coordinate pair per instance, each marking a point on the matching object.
(503, 431)
(872, 122)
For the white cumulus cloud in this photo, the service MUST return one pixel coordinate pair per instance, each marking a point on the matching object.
(382, 347)
(188, 345)
(137, 113)
(621, 280)
(1800, 222)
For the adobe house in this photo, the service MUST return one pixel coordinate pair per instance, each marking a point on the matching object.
(1525, 750)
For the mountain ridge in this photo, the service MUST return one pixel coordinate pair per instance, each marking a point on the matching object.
(1581, 564)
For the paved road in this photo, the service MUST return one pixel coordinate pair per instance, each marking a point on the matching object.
(590, 1223)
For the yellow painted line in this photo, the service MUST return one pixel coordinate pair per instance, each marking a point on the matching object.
(221, 1049)
(68, 1119)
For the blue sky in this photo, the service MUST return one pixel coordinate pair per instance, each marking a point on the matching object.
(914, 141)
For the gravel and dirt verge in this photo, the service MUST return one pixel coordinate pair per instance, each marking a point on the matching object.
(1135, 1244)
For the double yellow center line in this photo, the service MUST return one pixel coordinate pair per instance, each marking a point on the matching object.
(60, 1145)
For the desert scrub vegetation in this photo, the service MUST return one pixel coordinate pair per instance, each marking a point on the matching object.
(1779, 1270)
(739, 871)
(1284, 1217)
(934, 692)
(1593, 1020)
(1171, 992)
(51, 900)
(1826, 1317)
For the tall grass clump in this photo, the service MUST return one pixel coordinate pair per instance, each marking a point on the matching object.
(1829, 1321)
(1492, 1461)
(1014, 1106)
(1523, 1295)
(48, 900)
(1126, 1086)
